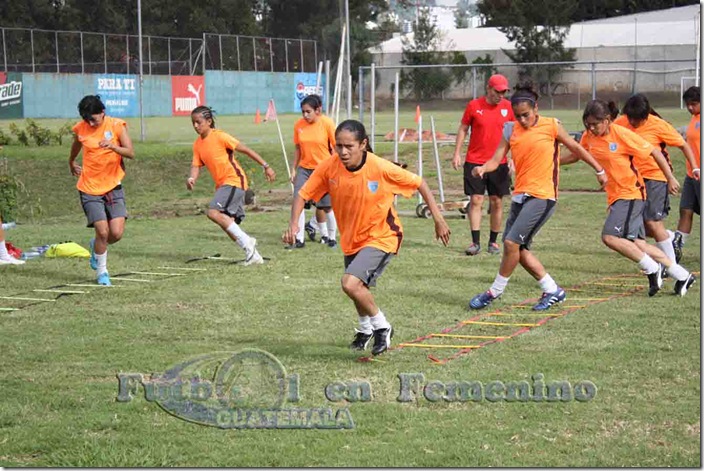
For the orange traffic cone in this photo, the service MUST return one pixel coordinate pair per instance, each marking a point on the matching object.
(417, 113)
(257, 117)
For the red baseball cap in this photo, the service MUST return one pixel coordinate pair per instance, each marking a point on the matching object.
(498, 82)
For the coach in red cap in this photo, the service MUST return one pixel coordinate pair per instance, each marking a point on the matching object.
(486, 116)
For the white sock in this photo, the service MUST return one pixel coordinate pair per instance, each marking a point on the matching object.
(323, 228)
(648, 264)
(379, 321)
(499, 285)
(548, 284)
(684, 236)
(365, 324)
(666, 246)
(313, 221)
(332, 226)
(102, 259)
(301, 228)
(237, 232)
(678, 272)
(3, 250)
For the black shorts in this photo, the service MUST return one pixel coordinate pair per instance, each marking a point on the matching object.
(496, 183)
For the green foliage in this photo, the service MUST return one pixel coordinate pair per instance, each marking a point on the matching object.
(64, 130)
(4, 138)
(20, 134)
(40, 135)
(485, 72)
(8, 197)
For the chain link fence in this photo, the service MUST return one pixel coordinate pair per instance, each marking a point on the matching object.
(35, 50)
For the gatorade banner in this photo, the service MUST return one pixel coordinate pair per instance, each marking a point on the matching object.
(305, 85)
(119, 93)
(187, 93)
(11, 95)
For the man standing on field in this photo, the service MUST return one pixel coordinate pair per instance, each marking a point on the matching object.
(486, 116)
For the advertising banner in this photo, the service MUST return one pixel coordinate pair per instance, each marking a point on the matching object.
(119, 93)
(304, 83)
(187, 93)
(11, 95)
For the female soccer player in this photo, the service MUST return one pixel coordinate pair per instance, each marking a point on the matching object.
(314, 136)
(104, 141)
(533, 142)
(5, 257)
(640, 118)
(216, 150)
(691, 194)
(616, 149)
(362, 188)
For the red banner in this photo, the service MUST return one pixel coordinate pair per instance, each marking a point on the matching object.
(187, 92)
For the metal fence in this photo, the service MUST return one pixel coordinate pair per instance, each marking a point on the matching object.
(35, 50)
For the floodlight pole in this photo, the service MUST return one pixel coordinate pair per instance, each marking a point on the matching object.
(142, 132)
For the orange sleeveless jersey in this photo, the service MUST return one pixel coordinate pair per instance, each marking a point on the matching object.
(103, 169)
(660, 134)
(694, 140)
(617, 152)
(316, 141)
(536, 156)
(363, 201)
(217, 153)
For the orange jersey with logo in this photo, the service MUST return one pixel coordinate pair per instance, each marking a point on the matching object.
(217, 153)
(102, 168)
(694, 133)
(363, 200)
(536, 156)
(617, 152)
(660, 134)
(315, 140)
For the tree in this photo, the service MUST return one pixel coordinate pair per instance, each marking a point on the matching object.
(462, 13)
(596, 9)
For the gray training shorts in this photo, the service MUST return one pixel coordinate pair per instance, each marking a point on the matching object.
(368, 264)
(526, 219)
(229, 200)
(657, 203)
(625, 220)
(105, 207)
(302, 176)
(691, 195)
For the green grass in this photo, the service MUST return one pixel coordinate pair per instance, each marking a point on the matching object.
(60, 359)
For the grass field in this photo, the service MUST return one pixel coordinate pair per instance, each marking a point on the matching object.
(61, 358)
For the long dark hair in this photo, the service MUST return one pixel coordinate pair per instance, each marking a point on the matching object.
(356, 128)
(525, 93)
(314, 101)
(638, 107)
(90, 105)
(207, 113)
(600, 109)
(692, 95)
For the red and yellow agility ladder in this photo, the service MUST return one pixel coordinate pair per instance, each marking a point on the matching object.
(585, 294)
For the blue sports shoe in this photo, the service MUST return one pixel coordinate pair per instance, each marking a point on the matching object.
(93, 260)
(548, 299)
(104, 279)
(482, 300)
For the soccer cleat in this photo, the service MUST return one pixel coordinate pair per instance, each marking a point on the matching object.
(298, 245)
(494, 248)
(682, 286)
(382, 340)
(482, 300)
(332, 243)
(548, 299)
(473, 249)
(663, 272)
(677, 246)
(252, 256)
(310, 230)
(93, 261)
(104, 279)
(655, 281)
(361, 340)
(324, 240)
(10, 260)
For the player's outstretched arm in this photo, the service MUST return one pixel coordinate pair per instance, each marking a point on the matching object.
(289, 237)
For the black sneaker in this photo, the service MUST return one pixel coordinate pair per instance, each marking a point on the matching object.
(324, 240)
(361, 340)
(677, 246)
(382, 340)
(310, 231)
(655, 281)
(332, 243)
(298, 245)
(681, 287)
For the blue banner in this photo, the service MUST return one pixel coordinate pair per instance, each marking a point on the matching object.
(304, 83)
(119, 93)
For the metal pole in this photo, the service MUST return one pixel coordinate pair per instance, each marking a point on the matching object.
(315, 50)
(168, 53)
(237, 42)
(83, 67)
(474, 83)
(348, 75)
(254, 53)
(635, 54)
(31, 43)
(286, 49)
(318, 77)
(437, 159)
(190, 55)
(105, 52)
(327, 87)
(373, 106)
(149, 53)
(360, 82)
(204, 50)
(593, 80)
(697, 49)
(4, 50)
(56, 48)
(271, 55)
(220, 45)
(127, 41)
(141, 71)
(301, 44)
(396, 136)
(420, 153)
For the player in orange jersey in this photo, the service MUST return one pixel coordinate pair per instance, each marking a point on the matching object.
(534, 144)
(215, 149)
(617, 149)
(362, 186)
(105, 142)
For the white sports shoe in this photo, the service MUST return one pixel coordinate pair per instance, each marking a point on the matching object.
(252, 256)
(11, 261)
